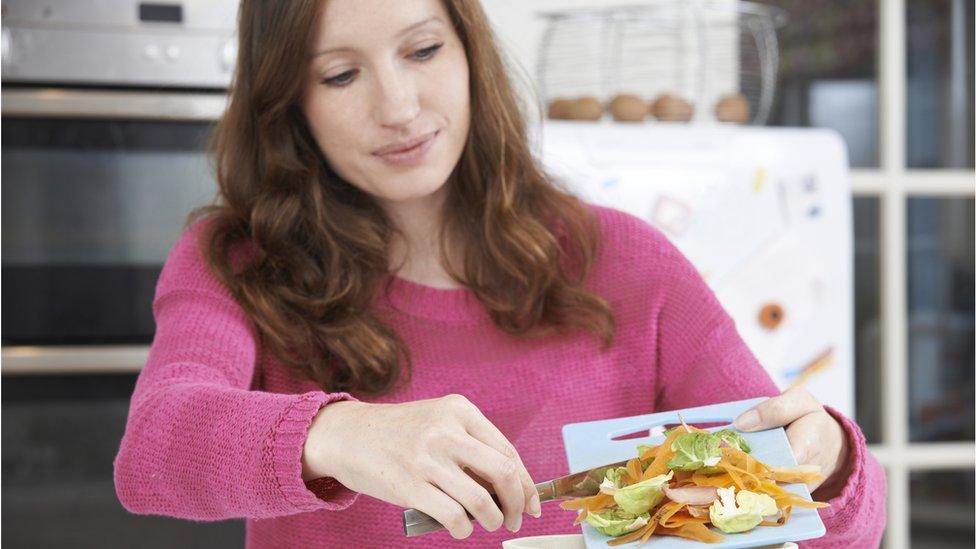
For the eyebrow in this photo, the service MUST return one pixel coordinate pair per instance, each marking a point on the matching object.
(398, 35)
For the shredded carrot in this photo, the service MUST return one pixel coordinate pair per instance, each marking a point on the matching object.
(742, 460)
(719, 481)
(649, 454)
(591, 503)
(664, 454)
(782, 515)
(634, 536)
(797, 501)
(647, 535)
(602, 503)
(666, 511)
(695, 531)
(742, 479)
(680, 518)
(791, 476)
(634, 470)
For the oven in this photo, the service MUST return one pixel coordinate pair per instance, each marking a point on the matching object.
(92, 201)
(107, 109)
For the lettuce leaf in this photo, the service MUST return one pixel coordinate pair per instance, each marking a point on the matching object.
(693, 451)
(734, 439)
(616, 523)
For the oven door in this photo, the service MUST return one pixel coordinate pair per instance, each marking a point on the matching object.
(96, 189)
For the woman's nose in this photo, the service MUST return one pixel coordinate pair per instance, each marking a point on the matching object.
(397, 101)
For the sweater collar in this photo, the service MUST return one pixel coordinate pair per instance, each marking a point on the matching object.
(455, 305)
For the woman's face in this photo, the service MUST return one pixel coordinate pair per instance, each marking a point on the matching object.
(384, 75)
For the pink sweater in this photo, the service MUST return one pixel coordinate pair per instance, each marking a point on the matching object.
(216, 425)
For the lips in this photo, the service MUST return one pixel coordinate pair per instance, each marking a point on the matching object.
(402, 146)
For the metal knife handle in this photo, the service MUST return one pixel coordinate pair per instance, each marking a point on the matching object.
(416, 522)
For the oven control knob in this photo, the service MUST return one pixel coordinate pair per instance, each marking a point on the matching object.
(173, 53)
(151, 52)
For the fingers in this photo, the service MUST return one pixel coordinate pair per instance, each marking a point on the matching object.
(475, 498)
(805, 436)
(817, 439)
(779, 411)
(445, 509)
(809, 443)
(484, 430)
(502, 474)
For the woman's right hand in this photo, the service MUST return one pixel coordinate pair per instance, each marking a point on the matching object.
(440, 456)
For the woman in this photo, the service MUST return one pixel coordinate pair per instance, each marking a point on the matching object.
(393, 300)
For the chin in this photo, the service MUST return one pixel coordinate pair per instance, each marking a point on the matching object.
(413, 188)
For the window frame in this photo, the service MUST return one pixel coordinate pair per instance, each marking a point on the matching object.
(892, 183)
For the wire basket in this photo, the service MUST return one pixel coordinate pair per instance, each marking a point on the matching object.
(684, 60)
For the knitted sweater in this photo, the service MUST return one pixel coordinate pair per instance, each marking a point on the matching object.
(217, 425)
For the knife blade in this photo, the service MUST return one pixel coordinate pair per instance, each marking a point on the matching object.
(575, 485)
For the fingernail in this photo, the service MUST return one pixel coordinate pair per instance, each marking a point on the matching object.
(747, 421)
(535, 508)
(516, 524)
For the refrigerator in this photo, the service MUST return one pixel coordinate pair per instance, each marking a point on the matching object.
(763, 213)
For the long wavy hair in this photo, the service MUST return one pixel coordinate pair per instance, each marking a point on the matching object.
(320, 245)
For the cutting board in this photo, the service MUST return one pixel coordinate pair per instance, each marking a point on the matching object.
(590, 444)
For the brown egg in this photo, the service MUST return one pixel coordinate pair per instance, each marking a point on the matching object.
(671, 108)
(732, 108)
(587, 108)
(771, 315)
(628, 108)
(652, 104)
(561, 108)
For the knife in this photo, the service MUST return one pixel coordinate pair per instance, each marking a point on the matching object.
(577, 485)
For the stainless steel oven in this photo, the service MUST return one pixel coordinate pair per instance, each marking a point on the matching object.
(95, 189)
(106, 111)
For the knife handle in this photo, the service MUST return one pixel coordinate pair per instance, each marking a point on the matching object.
(416, 522)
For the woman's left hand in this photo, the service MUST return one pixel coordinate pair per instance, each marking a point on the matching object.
(816, 437)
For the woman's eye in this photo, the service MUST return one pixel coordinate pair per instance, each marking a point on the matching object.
(426, 53)
(340, 80)
(346, 77)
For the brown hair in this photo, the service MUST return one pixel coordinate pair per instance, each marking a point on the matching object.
(320, 244)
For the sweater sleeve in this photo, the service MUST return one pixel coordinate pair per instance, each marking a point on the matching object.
(198, 443)
(856, 516)
(701, 359)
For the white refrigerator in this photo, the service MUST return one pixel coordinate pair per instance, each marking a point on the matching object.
(763, 213)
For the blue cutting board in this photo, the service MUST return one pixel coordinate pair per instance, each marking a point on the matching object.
(590, 445)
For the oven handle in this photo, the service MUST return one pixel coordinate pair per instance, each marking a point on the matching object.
(28, 360)
(111, 104)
